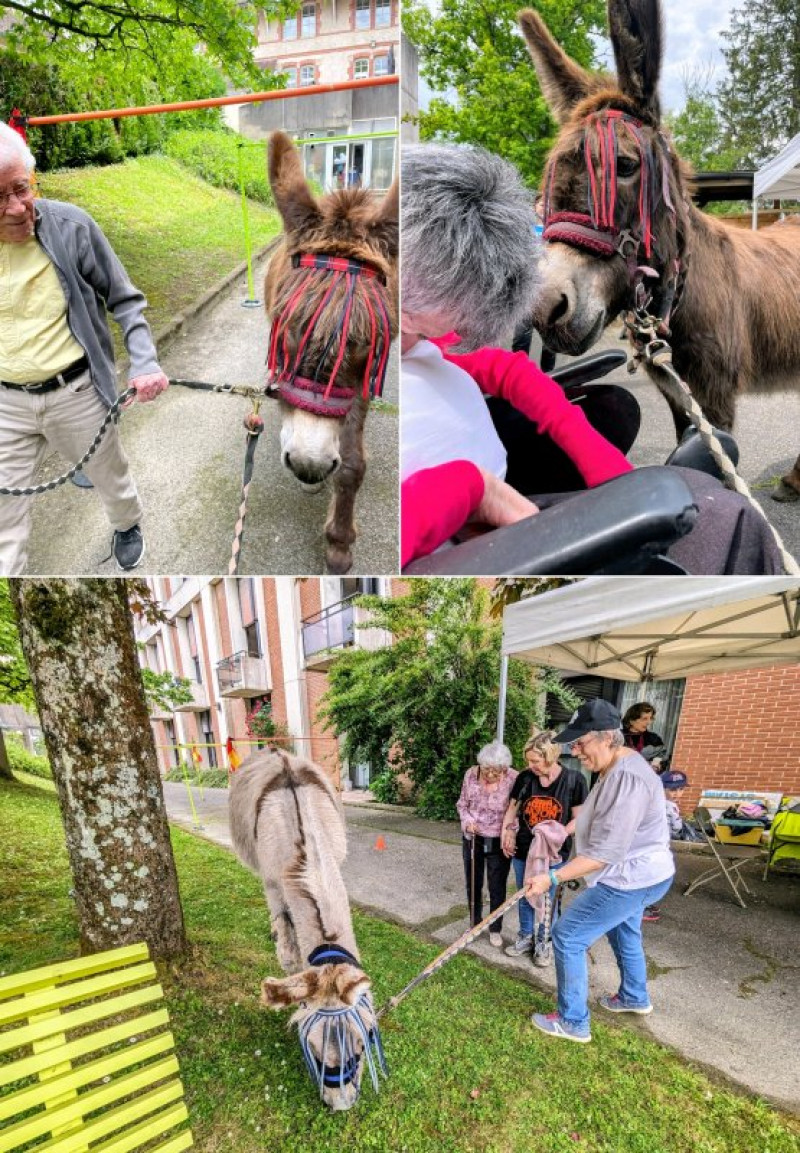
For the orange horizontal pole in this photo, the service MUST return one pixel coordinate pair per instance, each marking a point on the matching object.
(213, 102)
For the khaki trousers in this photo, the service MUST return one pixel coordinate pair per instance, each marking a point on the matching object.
(64, 420)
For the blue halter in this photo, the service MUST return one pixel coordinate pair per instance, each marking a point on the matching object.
(342, 1026)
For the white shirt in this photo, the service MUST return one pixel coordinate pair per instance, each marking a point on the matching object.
(444, 416)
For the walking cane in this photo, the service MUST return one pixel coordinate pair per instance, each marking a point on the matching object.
(472, 883)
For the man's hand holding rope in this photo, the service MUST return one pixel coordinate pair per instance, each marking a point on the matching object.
(147, 387)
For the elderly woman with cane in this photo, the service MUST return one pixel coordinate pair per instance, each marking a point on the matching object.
(622, 850)
(481, 807)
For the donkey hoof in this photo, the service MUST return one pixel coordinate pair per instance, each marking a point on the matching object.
(785, 493)
(338, 561)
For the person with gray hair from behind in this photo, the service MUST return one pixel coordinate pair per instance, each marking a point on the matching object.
(58, 276)
(468, 280)
(481, 807)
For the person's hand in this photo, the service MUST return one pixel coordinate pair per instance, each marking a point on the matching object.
(148, 387)
(537, 885)
(501, 504)
(509, 843)
(471, 828)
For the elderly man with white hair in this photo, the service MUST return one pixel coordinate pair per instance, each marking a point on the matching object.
(58, 276)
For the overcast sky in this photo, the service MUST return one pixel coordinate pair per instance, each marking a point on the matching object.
(692, 47)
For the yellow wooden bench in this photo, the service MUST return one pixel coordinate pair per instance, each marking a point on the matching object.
(86, 1059)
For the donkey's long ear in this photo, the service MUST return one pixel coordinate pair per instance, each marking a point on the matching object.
(278, 992)
(562, 81)
(384, 226)
(298, 208)
(637, 39)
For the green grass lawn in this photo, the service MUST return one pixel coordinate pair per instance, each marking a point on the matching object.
(175, 234)
(467, 1072)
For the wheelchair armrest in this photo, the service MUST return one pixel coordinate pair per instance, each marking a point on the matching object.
(615, 528)
(589, 367)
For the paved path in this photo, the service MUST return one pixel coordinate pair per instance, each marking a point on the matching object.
(186, 452)
(767, 432)
(724, 979)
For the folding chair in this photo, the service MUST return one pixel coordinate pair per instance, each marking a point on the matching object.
(727, 865)
(87, 1043)
(784, 839)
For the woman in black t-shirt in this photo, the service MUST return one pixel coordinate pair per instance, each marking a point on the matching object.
(545, 791)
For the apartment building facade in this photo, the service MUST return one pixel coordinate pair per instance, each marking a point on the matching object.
(243, 641)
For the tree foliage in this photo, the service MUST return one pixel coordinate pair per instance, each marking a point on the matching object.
(759, 101)
(425, 705)
(473, 56)
(15, 681)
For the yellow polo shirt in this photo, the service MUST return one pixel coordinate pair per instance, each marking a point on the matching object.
(35, 340)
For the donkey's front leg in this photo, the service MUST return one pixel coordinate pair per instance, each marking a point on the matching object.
(340, 532)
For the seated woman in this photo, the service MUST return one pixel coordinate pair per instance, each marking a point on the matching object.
(468, 280)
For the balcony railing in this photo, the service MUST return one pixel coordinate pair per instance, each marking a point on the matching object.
(199, 702)
(328, 630)
(241, 675)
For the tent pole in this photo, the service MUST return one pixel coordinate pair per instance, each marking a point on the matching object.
(501, 700)
(755, 213)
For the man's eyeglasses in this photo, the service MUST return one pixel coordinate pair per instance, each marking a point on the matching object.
(580, 745)
(23, 190)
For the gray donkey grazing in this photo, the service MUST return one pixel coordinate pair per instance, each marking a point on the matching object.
(288, 827)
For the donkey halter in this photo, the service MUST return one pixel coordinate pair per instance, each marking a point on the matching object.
(597, 231)
(323, 397)
(342, 1026)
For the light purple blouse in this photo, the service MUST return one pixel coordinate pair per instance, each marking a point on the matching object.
(483, 807)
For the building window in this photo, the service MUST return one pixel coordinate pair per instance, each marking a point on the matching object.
(363, 13)
(291, 77)
(191, 636)
(383, 13)
(247, 609)
(290, 28)
(307, 76)
(309, 20)
(173, 752)
(207, 731)
(361, 68)
(380, 66)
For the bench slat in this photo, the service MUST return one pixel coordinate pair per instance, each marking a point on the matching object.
(105, 1038)
(17, 983)
(27, 1034)
(119, 1118)
(147, 1131)
(57, 996)
(77, 1109)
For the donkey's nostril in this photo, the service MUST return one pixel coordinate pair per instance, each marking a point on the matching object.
(559, 312)
(287, 459)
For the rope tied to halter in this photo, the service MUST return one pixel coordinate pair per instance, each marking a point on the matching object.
(343, 1027)
(657, 354)
(322, 275)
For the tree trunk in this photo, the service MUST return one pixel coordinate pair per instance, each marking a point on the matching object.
(5, 764)
(77, 637)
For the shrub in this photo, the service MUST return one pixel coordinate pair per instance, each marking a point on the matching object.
(214, 156)
(23, 761)
(385, 787)
(208, 778)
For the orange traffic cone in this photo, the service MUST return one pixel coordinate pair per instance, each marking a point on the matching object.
(380, 843)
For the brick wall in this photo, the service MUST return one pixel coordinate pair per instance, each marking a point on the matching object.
(739, 731)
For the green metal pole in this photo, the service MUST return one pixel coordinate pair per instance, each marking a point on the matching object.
(252, 301)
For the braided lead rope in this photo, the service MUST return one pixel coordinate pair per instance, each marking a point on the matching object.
(111, 417)
(452, 950)
(542, 946)
(658, 354)
(247, 475)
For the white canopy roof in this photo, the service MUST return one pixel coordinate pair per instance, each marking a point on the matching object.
(654, 628)
(780, 177)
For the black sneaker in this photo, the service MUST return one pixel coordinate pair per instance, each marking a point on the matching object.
(128, 548)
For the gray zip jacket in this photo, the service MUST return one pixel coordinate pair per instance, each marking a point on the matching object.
(94, 280)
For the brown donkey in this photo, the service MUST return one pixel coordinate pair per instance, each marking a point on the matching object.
(287, 826)
(331, 298)
(621, 231)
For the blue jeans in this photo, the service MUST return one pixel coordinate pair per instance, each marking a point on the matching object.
(617, 913)
(526, 914)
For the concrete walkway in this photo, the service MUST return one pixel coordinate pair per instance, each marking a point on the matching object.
(187, 450)
(723, 979)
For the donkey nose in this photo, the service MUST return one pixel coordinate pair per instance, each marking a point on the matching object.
(559, 310)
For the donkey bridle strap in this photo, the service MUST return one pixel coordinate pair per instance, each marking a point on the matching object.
(332, 955)
(337, 264)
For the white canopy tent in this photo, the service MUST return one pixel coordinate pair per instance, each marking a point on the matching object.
(780, 177)
(655, 628)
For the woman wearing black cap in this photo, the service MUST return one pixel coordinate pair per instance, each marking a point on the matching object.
(622, 849)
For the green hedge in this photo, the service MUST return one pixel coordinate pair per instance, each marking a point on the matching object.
(208, 778)
(214, 156)
(24, 762)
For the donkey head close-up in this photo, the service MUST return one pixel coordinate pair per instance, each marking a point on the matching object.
(335, 1022)
(331, 298)
(614, 207)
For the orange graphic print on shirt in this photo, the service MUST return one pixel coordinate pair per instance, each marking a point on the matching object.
(538, 809)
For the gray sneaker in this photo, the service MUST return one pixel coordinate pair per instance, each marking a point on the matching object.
(521, 946)
(543, 954)
(128, 548)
